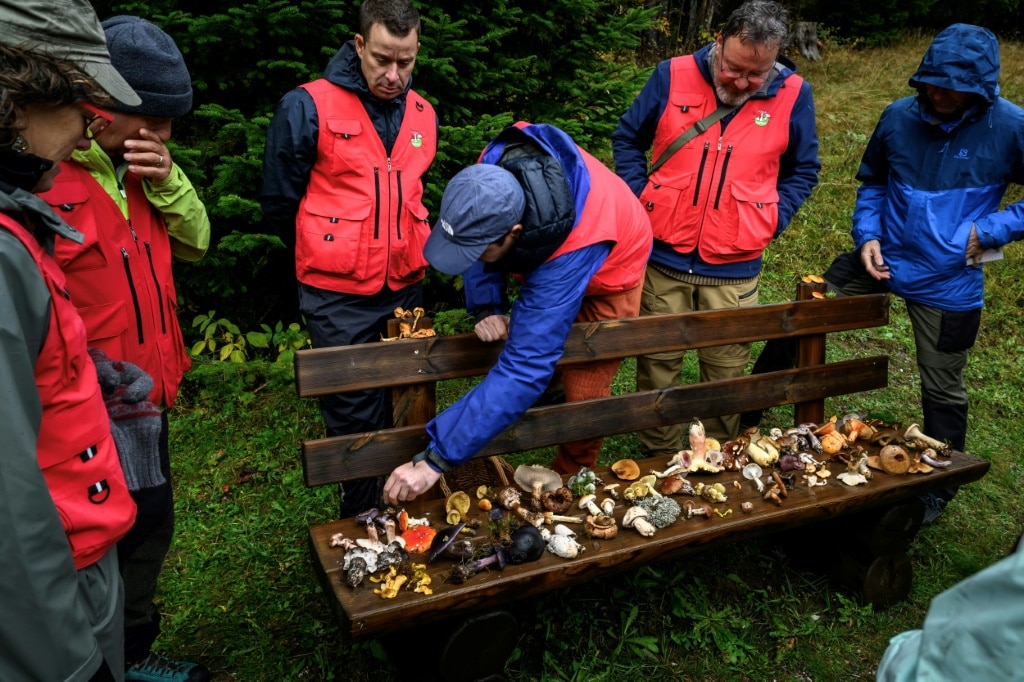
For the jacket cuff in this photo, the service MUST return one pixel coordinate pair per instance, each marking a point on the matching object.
(433, 460)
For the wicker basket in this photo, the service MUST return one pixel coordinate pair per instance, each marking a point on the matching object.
(492, 471)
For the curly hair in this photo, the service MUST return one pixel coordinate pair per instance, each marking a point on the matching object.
(33, 77)
(762, 22)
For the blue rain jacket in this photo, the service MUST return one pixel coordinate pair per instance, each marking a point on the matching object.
(925, 181)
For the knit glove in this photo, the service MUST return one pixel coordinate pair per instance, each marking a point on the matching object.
(135, 422)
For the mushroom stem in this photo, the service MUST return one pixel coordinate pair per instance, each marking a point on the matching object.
(550, 517)
(914, 433)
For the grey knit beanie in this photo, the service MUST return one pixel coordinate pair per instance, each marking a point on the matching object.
(152, 64)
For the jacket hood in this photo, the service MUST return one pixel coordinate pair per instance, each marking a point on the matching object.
(345, 70)
(963, 58)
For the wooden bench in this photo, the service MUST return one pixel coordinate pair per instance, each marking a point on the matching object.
(413, 367)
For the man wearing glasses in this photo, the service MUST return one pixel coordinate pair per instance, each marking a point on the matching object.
(745, 159)
(137, 210)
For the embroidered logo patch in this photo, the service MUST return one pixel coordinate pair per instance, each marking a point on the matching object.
(962, 154)
(417, 140)
(762, 118)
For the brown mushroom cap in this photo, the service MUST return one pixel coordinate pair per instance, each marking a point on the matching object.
(626, 469)
(894, 459)
(557, 501)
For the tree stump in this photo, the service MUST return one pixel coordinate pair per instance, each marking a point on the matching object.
(805, 38)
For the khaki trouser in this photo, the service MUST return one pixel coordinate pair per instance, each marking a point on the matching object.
(593, 379)
(663, 294)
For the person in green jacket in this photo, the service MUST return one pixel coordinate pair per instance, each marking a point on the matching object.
(138, 211)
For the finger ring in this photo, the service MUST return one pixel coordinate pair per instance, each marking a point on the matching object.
(160, 161)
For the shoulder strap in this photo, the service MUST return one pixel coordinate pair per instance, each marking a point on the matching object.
(690, 133)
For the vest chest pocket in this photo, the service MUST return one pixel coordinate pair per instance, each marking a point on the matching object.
(72, 205)
(347, 149)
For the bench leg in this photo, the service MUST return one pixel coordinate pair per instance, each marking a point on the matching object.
(470, 649)
(866, 552)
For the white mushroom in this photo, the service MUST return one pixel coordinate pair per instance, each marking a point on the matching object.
(635, 517)
(753, 473)
(564, 530)
(588, 503)
(564, 546)
(852, 478)
(537, 479)
(914, 433)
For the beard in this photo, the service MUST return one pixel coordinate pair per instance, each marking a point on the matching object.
(731, 97)
(726, 94)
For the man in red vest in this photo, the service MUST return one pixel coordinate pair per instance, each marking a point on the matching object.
(542, 209)
(137, 210)
(342, 185)
(718, 198)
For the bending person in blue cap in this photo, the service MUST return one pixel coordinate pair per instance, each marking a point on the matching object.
(540, 208)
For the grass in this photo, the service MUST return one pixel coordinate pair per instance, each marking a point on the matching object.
(240, 595)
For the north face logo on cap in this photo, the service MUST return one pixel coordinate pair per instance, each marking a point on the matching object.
(447, 227)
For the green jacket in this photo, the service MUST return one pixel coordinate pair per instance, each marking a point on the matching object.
(175, 198)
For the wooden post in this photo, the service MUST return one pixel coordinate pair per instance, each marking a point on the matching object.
(416, 403)
(810, 351)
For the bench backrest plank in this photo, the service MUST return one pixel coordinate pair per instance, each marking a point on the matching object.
(416, 365)
(324, 371)
(377, 453)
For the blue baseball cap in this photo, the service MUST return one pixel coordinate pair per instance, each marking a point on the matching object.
(480, 205)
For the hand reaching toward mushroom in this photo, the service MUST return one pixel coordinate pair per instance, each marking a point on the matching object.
(409, 481)
(148, 156)
(871, 257)
(492, 328)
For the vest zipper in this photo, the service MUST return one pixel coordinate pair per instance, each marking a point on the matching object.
(159, 293)
(135, 294)
(721, 178)
(376, 190)
(700, 172)
(398, 211)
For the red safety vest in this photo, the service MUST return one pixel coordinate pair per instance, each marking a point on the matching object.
(362, 223)
(718, 192)
(75, 449)
(120, 279)
(611, 214)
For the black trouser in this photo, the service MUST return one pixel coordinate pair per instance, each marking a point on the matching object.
(141, 553)
(336, 319)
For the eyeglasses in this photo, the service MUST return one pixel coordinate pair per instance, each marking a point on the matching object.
(97, 123)
(756, 79)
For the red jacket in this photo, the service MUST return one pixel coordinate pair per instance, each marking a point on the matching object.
(362, 223)
(75, 449)
(718, 194)
(120, 279)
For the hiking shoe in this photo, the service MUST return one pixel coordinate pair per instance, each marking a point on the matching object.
(158, 668)
(934, 505)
